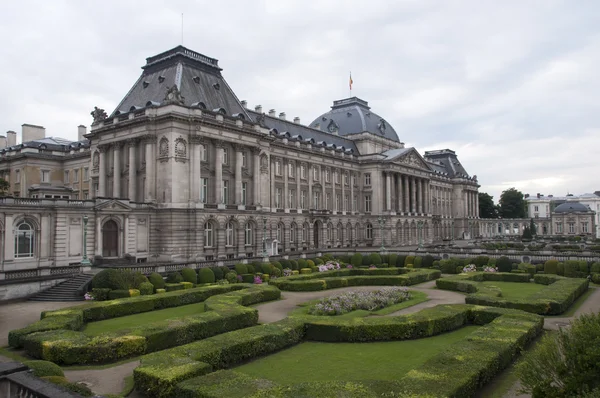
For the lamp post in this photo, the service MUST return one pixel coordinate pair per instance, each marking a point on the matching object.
(381, 221)
(85, 261)
(420, 231)
(264, 235)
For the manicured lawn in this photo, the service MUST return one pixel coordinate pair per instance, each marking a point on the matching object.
(125, 322)
(315, 361)
(516, 290)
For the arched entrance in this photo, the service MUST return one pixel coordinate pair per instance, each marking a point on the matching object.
(318, 226)
(110, 239)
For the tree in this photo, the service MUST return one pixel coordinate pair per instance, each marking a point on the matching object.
(487, 208)
(512, 204)
(4, 187)
(532, 228)
(527, 233)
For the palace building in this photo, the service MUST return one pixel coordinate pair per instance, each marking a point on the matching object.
(182, 170)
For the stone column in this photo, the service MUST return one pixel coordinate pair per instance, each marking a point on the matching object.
(406, 194)
(476, 205)
(102, 171)
(420, 195)
(9, 238)
(256, 176)
(298, 167)
(310, 184)
(427, 197)
(132, 193)
(150, 169)
(351, 198)
(388, 191)
(466, 204)
(400, 194)
(117, 171)
(343, 183)
(238, 174)
(413, 194)
(218, 172)
(196, 167)
(272, 203)
(286, 172)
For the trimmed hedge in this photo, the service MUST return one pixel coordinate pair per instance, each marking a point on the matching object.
(553, 300)
(189, 275)
(187, 371)
(174, 277)
(223, 313)
(117, 294)
(146, 288)
(157, 280)
(44, 368)
(205, 275)
(355, 277)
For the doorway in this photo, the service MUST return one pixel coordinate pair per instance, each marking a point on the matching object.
(110, 239)
(317, 233)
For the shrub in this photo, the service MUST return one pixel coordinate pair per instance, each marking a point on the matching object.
(319, 261)
(73, 387)
(551, 267)
(375, 259)
(302, 263)
(427, 261)
(596, 278)
(356, 260)
(392, 259)
(571, 268)
(481, 261)
(352, 301)
(565, 364)
(241, 269)
(409, 260)
(174, 277)
(116, 294)
(436, 264)
(44, 368)
(171, 287)
(225, 270)
(401, 260)
(160, 291)
(595, 268)
(285, 264)
(418, 261)
(526, 267)
(305, 271)
(156, 280)
(310, 264)
(189, 275)
(277, 264)
(294, 265)
(100, 294)
(231, 277)
(504, 264)
(135, 279)
(205, 275)
(218, 273)
(265, 268)
(187, 285)
(110, 278)
(450, 266)
(146, 288)
(251, 269)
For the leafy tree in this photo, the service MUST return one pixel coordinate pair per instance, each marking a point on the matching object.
(4, 186)
(487, 208)
(512, 204)
(532, 228)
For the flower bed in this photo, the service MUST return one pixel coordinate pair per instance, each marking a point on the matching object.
(552, 300)
(187, 370)
(352, 301)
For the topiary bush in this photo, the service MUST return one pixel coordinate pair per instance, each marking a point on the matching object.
(277, 265)
(110, 278)
(418, 261)
(241, 269)
(310, 264)
(551, 267)
(595, 268)
(218, 273)
(401, 260)
(205, 275)
(231, 277)
(189, 275)
(135, 279)
(100, 294)
(294, 265)
(156, 280)
(375, 259)
(409, 260)
(251, 269)
(481, 261)
(44, 368)
(356, 260)
(392, 259)
(427, 261)
(174, 277)
(146, 288)
(225, 270)
(302, 263)
(504, 264)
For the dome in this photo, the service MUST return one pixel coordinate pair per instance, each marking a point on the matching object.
(353, 116)
(571, 207)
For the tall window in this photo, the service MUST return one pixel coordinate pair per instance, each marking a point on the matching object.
(292, 198)
(536, 208)
(24, 240)
(280, 233)
(229, 234)
(367, 203)
(584, 227)
(369, 231)
(208, 235)
(86, 173)
(303, 171)
(225, 155)
(340, 232)
(336, 177)
(346, 179)
(290, 170)
(571, 227)
(367, 178)
(327, 175)
(225, 191)
(244, 192)
(317, 200)
(293, 228)
(248, 235)
(45, 175)
(303, 199)
(277, 168)
(329, 232)
(559, 227)
(354, 203)
(244, 160)
(17, 176)
(327, 201)
(66, 176)
(304, 232)
(203, 153)
(346, 203)
(76, 175)
(278, 198)
(203, 190)
(315, 174)
(338, 202)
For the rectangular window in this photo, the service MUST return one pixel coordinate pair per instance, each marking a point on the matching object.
(75, 196)
(571, 227)
(76, 175)
(278, 198)
(353, 179)
(535, 208)
(203, 190)
(96, 189)
(303, 172)
(327, 175)
(244, 160)
(346, 203)
(45, 175)
(277, 168)
(559, 227)
(327, 201)
(86, 195)
(225, 191)
(338, 202)
(66, 176)
(354, 203)
(315, 174)
(316, 200)
(367, 179)
(225, 156)
(291, 170)
(86, 173)
(17, 176)
(584, 227)
(244, 192)
(303, 199)
(292, 198)
(346, 179)
(367, 203)
(203, 154)
(336, 177)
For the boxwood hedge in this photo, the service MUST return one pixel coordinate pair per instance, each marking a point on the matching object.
(192, 370)
(555, 299)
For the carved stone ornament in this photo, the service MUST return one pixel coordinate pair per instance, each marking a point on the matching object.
(382, 126)
(260, 120)
(412, 160)
(173, 96)
(98, 114)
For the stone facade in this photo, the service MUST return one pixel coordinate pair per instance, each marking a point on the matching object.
(178, 173)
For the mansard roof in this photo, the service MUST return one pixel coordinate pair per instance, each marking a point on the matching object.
(446, 161)
(197, 77)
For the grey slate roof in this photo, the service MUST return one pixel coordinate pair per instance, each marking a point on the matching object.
(197, 77)
(306, 132)
(446, 160)
(352, 116)
(571, 207)
(50, 144)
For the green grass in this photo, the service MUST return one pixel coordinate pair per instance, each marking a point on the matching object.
(315, 361)
(126, 322)
(516, 290)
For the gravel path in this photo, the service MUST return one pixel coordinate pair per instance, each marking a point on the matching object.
(103, 381)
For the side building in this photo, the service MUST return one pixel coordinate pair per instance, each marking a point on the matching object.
(183, 171)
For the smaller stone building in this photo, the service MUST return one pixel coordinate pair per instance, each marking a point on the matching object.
(573, 218)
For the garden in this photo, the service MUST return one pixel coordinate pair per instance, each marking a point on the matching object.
(197, 332)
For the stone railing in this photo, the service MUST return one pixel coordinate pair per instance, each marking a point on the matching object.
(16, 381)
(39, 273)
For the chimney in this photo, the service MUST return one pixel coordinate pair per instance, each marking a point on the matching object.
(31, 132)
(244, 104)
(538, 195)
(258, 109)
(526, 195)
(11, 138)
(81, 131)
(297, 120)
(2, 141)
(282, 115)
(272, 113)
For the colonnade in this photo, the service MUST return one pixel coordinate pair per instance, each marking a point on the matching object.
(412, 194)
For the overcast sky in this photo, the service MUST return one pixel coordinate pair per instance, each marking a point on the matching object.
(511, 86)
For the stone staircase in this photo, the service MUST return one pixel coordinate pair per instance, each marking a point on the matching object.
(70, 290)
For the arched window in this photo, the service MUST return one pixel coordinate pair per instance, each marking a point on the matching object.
(209, 238)
(24, 240)
(229, 234)
(249, 235)
(340, 233)
(280, 233)
(329, 232)
(356, 232)
(305, 232)
(369, 230)
(349, 232)
(293, 229)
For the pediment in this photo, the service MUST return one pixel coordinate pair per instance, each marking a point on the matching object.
(113, 204)
(412, 158)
